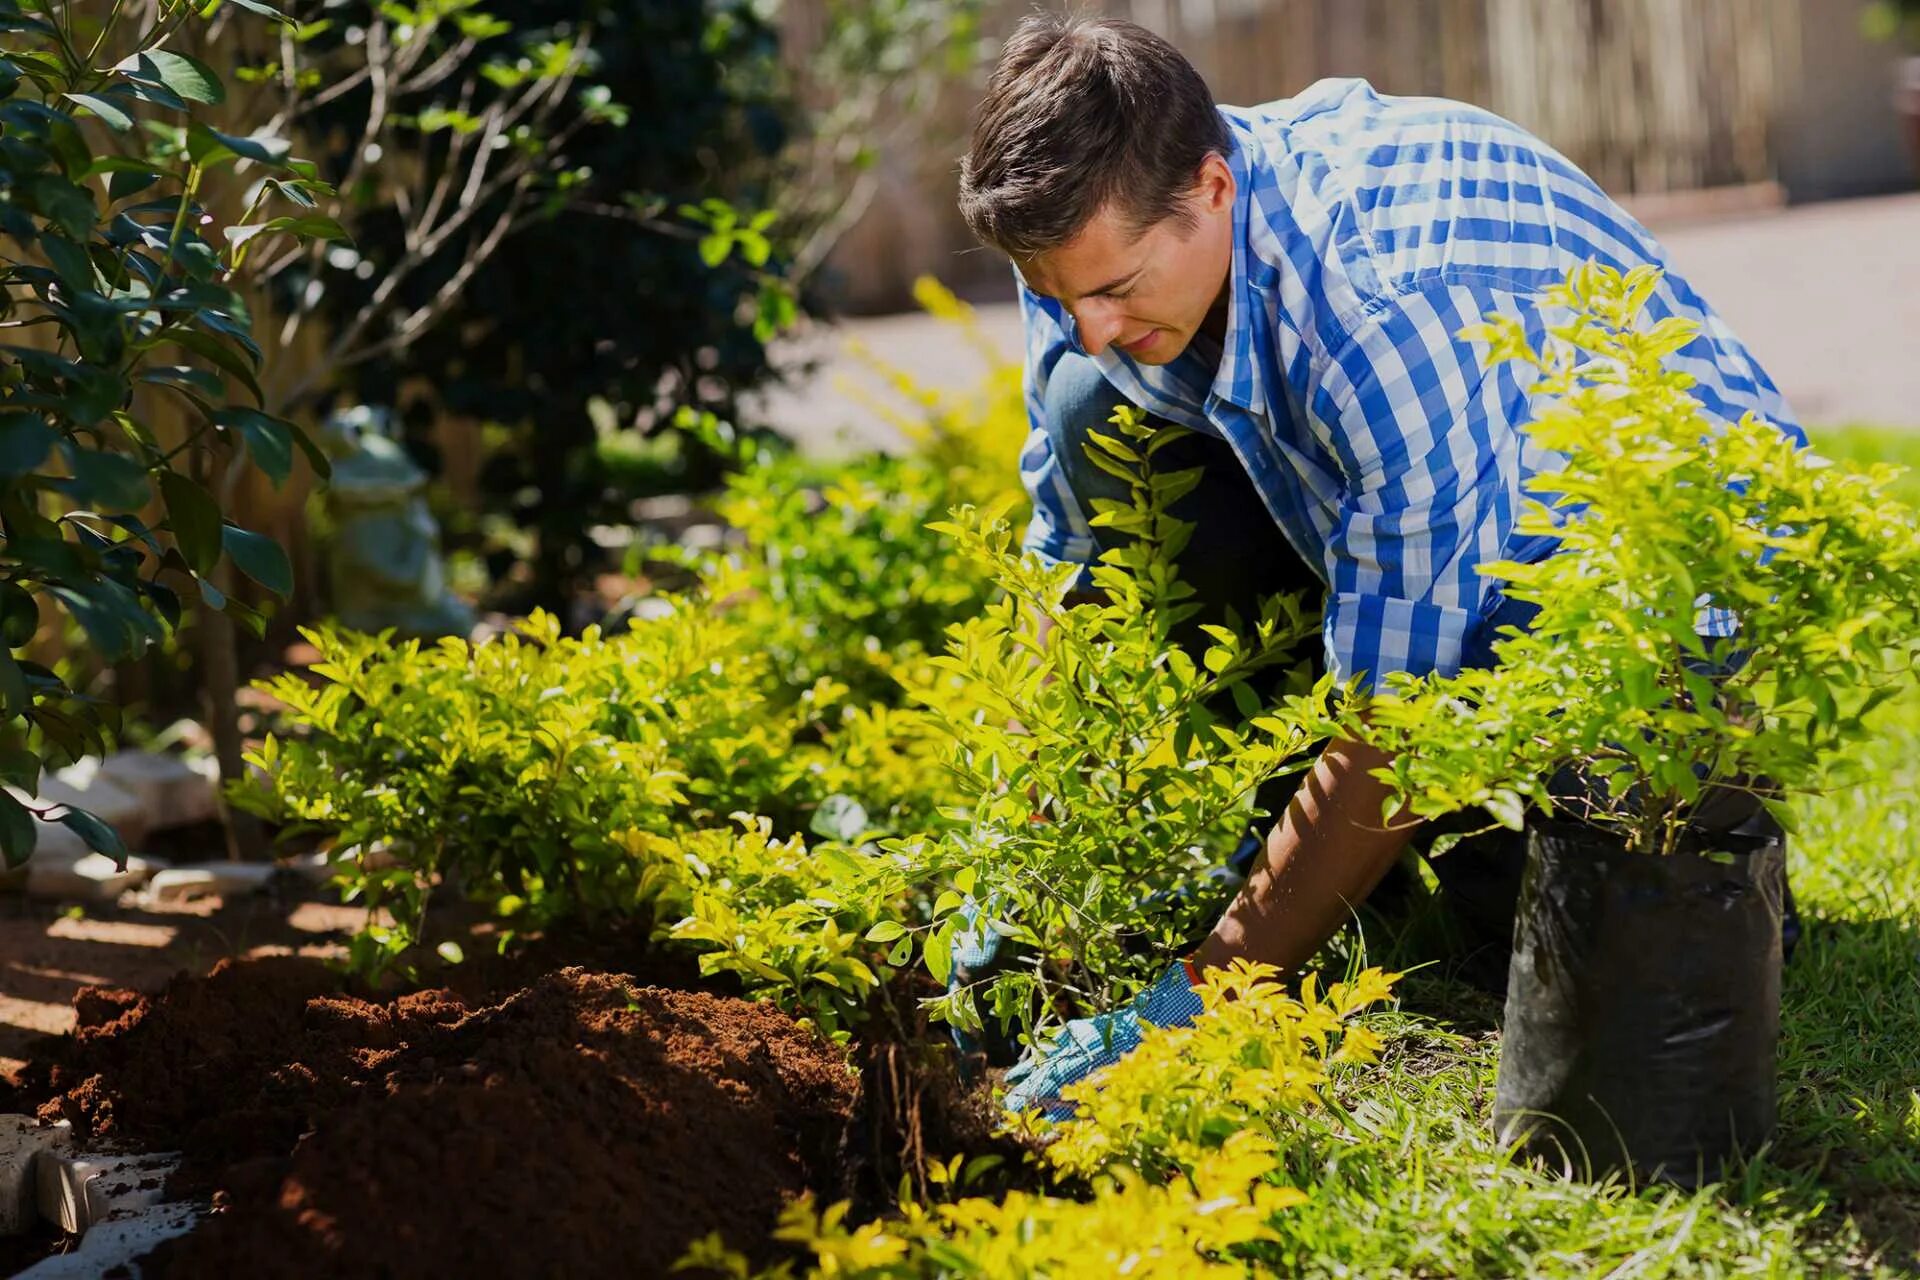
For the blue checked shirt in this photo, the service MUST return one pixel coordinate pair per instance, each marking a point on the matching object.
(1368, 230)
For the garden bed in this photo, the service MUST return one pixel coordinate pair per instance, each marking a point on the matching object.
(571, 1122)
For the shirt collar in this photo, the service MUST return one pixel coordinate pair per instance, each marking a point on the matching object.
(1238, 378)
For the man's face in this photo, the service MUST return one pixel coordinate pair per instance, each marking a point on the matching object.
(1145, 294)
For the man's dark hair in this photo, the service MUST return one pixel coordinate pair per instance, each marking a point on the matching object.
(1078, 113)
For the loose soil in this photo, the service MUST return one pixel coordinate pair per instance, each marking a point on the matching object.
(573, 1124)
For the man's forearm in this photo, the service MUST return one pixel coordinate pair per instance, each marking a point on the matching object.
(1323, 858)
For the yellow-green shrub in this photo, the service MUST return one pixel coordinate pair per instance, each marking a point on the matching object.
(1101, 763)
(1180, 1143)
(836, 562)
(539, 771)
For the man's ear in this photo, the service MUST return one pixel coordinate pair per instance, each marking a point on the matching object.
(1214, 188)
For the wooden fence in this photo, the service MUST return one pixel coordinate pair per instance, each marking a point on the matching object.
(1647, 95)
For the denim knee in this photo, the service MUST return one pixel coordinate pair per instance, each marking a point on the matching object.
(1078, 399)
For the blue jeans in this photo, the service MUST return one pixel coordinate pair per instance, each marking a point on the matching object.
(1237, 554)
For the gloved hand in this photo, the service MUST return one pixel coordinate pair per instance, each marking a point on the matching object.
(1085, 1045)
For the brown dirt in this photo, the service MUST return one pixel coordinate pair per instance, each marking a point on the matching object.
(580, 1123)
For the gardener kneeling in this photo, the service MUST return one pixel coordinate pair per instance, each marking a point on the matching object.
(1288, 282)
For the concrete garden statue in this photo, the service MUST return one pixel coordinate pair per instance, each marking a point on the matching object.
(384, 561)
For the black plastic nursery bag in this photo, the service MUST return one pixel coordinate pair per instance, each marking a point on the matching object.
(1643, 1003)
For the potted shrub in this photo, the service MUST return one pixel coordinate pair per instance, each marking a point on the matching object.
(1724, 612)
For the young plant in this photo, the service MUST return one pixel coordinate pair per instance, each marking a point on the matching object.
(794, 924)
(1109, 768)
(1724, 609)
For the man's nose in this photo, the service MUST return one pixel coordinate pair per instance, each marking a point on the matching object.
(1099, 322)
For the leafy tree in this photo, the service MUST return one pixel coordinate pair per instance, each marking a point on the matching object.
(122, 292)
(535, 245)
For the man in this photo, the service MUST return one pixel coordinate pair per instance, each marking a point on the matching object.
(1288, 282)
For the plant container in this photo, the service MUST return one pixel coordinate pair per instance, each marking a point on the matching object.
(1643, 1002)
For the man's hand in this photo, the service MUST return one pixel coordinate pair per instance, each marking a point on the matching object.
(1323, 859)
(1085, 1045)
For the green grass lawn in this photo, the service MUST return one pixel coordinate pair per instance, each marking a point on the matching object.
(1426, 1191)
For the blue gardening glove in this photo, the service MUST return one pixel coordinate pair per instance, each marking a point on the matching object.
(1085, 1045)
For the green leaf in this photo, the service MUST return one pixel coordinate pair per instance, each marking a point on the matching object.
(222, 353)
(255, 6)
(25, 442)
(207, 147)
(99, 836)
(885, 931)
(110, 481)
(269, 440)
(316, 456)
(15, 695)
(260, 558)
(75, 268)
(67, 206)
(20, 768)
(194, 518)
(109, 112)
(187, 77)
(112, 616)
(18, 830)
(938, 955)
(129, 182)
(312, 226)
(19, 615)
(185, 377)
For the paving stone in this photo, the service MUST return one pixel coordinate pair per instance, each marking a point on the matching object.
(115, 1244)
(209, 879)
(173, 791)
(23, 1139)
(75, 1192)
(91, 877)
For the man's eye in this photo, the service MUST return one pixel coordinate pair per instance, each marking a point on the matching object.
(1121, 295)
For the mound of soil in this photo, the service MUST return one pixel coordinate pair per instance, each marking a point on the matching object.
(579, 1124)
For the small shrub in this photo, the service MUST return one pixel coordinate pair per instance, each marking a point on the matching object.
(1100, 774)
(791, 922)
(542, 773)
(838, 563)
(1178, 1144)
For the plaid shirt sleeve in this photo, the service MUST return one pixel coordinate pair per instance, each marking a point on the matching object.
(1058, 532)
(1428, 439)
